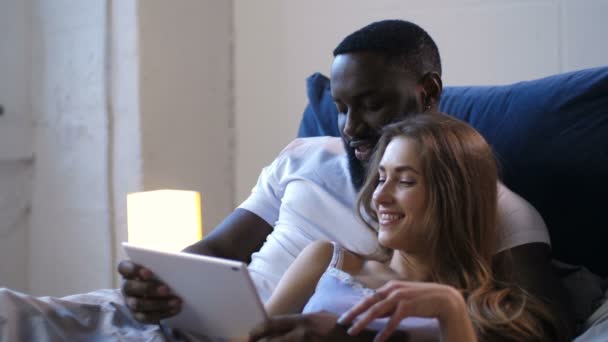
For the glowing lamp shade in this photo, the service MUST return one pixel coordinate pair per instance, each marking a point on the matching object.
(167, 220)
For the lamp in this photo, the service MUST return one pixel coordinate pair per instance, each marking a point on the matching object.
(166, 220)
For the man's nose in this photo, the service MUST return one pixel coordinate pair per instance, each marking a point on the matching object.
(350, 126)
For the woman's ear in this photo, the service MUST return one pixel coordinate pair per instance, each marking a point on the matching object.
(431, 90)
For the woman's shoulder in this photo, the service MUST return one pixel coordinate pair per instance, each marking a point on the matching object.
(319, 250)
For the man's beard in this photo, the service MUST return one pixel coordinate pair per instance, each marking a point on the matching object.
(356, 168)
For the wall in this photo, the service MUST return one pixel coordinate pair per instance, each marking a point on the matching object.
(279, 43)
(170, 104)
(15, 183)
(70, 240)
(16, 140)
(186, 100)
(125, 168)
(110, 97)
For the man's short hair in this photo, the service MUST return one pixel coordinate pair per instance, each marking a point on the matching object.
(405, 44)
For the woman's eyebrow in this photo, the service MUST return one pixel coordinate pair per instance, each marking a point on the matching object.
(401, 168)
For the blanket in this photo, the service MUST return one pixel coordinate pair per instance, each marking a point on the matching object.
(95, 316)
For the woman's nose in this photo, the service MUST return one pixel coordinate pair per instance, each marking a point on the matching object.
(383, 194)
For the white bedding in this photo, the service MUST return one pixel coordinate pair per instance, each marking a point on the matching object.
(95, 316)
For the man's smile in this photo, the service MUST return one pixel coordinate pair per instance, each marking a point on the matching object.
(363, 149)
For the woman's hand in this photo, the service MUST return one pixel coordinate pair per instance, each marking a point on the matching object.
(301, 327)
(401, 299)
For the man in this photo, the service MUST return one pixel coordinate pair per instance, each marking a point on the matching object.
(380, 74)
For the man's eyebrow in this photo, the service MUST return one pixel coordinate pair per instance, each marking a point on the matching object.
(362, 94)
(401, 168)
(366, 93)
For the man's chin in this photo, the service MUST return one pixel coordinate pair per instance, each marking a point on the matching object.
(364, 163)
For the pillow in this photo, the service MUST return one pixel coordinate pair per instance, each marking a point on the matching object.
(320, 116)
(550, 136)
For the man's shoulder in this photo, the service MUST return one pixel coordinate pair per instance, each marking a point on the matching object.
(519, 221)
(312, 150)
(510, 203)
(314, 144)
(311, 158)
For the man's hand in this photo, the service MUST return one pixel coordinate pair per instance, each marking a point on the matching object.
(237, 237)
(148, 299)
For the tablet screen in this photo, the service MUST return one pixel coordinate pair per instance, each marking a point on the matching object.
(219, 298)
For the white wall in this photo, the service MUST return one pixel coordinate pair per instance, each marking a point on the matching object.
(170, 104)
(186, 100)
(15, 124)
(125, 122)
(15, 183)
(279, 43)
(124, 96)
(16, 140)
(70, 241)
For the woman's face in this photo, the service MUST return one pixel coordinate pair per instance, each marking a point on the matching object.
(400, 197)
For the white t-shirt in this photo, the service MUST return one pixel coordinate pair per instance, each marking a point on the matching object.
(306, 194)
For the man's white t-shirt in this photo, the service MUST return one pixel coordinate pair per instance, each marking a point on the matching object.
(306, 194)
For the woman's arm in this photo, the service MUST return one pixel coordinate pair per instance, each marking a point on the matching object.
(456, 325)
(401, 299)
(300, 280)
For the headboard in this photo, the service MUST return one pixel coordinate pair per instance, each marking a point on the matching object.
(550, 136)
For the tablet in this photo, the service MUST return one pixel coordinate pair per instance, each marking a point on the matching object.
(218, 296)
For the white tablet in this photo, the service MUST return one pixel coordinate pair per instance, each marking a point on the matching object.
(219, 298)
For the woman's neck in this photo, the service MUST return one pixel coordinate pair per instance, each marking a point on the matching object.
(409, 266)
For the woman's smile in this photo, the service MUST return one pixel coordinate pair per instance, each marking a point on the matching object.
(389, 218)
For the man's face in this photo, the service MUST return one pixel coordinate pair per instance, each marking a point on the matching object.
(369, 94)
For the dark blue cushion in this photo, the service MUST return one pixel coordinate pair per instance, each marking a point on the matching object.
(320, 116)
(551, 139)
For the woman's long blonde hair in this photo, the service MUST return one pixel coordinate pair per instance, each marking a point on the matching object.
(460, 223)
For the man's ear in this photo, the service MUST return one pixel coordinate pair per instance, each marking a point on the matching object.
(431, 90)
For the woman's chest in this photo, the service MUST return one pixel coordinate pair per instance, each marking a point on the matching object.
(374, 275)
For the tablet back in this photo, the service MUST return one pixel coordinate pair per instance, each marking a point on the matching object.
(219, 298)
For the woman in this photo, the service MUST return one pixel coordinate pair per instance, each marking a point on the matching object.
(431, 192)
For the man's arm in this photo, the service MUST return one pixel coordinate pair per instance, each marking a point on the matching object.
(533, 272)
(240, 234)
(237, 237)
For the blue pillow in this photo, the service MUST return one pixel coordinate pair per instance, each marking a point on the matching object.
(551, 139)
(320, 116)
